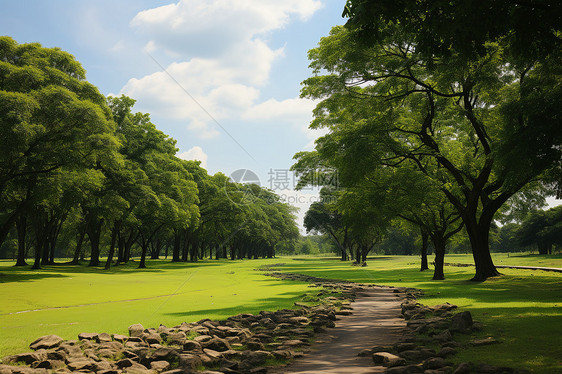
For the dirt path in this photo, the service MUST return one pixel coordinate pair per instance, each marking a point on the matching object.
(375, 321)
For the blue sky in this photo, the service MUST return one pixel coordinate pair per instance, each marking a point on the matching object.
(241, 60)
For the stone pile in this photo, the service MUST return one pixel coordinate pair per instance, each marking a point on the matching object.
(243, 343)
(432, 327)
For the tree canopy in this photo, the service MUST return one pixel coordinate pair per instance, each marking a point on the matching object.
(85, 168)
(476, 115)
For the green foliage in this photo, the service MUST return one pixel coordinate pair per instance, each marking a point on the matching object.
(417, 98)
(85, 168)
(543, 229)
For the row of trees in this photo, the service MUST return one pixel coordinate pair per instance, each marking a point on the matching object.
(81, 168)
(437, 128)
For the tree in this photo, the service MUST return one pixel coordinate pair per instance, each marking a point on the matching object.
(462, 122)
(543, 229)
(439, 27)
(323, 217)
(46, 104)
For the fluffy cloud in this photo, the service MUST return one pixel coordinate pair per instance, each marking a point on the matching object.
(223, 57)
(195, 153)
(297, 112)
(214, 27)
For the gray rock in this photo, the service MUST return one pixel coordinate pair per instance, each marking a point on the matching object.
(461, 322)
(413, 355)
(120, 338)
(388, 359)
(164, 354)
(410, 369)
(151, 337)
(84, 364)
(434, 363)
(87, 336)
(136, 330)
(216, 344)
(192, 345)
(443, 337)
(159, 365)
(103, 337)
(463, 368)
(486, 341)
(26, 358)
(47, 341)
(447, 352)
(189, 361)
(137, 368)
(176, 338)
(124, 363)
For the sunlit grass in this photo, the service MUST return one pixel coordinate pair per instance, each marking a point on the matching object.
(68, 300)
(522, 308)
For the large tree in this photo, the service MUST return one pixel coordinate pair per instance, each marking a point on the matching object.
(51, 120)
(464, 122)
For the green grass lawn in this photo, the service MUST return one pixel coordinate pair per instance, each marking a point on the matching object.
(68, 300)
(523, 309)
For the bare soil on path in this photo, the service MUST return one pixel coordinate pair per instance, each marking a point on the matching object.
(375, 321)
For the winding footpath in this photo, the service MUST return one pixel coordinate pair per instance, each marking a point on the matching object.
(375, 320)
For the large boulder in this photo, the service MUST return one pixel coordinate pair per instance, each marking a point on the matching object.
(47, 341)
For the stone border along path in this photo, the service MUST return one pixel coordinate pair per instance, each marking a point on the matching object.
(248, 343)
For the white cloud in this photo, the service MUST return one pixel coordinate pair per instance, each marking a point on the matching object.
(195, 153)
(223, 57)
(215, 26)
(296, 111)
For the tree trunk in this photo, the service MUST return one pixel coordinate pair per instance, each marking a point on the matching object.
(94, 234)
(544, 247)
(439, 244)
(46, 247)
(37, 263)
(21, 227)
(7, 226)
(176, 248)
(155, 246)
(40, 233)
(478, 235)
(120, 247)
(144, 247)
(112, 245)
(425, 244)
(78, 249)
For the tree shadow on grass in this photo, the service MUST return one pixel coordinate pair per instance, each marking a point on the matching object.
(25, 273)
(506, 288)
(256, 306)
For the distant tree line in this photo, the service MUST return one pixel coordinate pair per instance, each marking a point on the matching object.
(82, 176)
